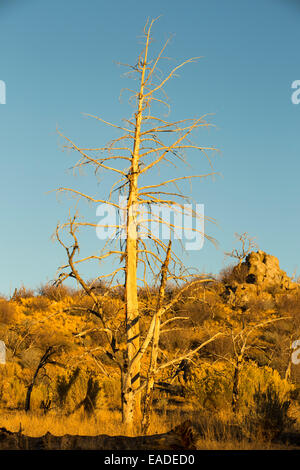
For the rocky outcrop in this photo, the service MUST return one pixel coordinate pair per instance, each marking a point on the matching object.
(258, 276)
(264, 270)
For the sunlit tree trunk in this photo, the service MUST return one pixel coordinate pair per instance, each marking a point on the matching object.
(131, 398)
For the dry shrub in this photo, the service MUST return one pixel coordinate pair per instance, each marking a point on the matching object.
(210, 384)
(112, 307)
(203, 305)
(172, 341)
(260, 305)
(289, 303)
(81, 303)
(56, 293)
(232, 274)
(38, 304)
(12, 387)
(221, 347)
(18, 338)
(112, 392)
(23, 293)
(56, 338)
(269, 414)
(29, 358)
(95, 337)
(147, 293)
(8, 312)
(99, 287)
(198, 311)
(180, 339)
(217, 427)
(118, 292)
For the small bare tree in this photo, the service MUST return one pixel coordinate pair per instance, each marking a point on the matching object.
(144, 144)
(248, 244)
(242, 342)
(47, 358)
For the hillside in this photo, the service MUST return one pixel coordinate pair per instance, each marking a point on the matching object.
(249, 367)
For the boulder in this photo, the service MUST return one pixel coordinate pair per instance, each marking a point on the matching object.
(264, 271)
(262, 279)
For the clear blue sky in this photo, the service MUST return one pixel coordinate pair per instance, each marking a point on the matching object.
(58, 60)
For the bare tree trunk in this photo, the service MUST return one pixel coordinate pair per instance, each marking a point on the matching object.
(131, 406)
(155, 343)
(28, 394)
(288, 370)
(150, 378)
(43, 361)
(235, 388)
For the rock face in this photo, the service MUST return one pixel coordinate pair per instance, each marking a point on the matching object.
(263, 270)
(261, 278)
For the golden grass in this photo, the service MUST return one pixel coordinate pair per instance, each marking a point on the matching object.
(37, 424)
(214, 427)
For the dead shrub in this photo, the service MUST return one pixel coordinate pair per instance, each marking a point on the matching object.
(23, 293)
(198, 311)
(7, 312)
(39, 304)
(56, 293)
(54, 338)
(222, 346)
(237, 273)
(81, 303)
(180, 339)
(175, 340)
(289, 303)
(99, 288)
(269, 415)
(260, 305)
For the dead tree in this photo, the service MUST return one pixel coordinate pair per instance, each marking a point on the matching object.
(45, 359)
(248, 244)
(242, 342)
(142, 146)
